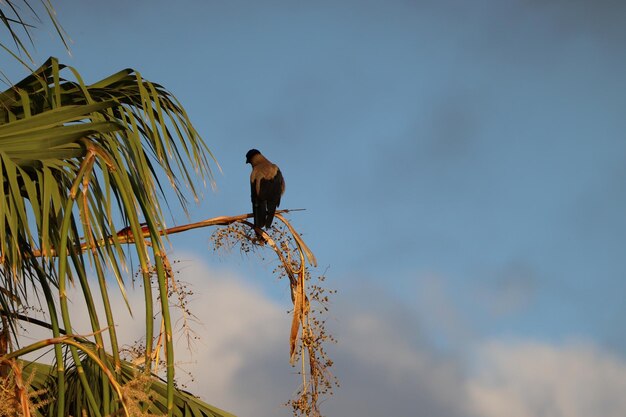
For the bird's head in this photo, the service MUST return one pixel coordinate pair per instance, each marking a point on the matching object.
(251, 154)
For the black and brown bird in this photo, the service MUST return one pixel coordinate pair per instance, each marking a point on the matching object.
(266, 187)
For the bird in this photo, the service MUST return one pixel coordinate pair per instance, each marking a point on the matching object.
(267, 185)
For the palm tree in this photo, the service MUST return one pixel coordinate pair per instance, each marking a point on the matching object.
(78, 162)
(84, 170)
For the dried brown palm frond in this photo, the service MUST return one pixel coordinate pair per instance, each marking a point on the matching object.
(17, 396)
(308, 335)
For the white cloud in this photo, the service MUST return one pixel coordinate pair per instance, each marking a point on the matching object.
(241, 329)
(533, 379)
(387, 368)
(240, 362)
(385, 360)
(384, 364)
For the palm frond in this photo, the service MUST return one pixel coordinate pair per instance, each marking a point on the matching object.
(136, 387)
(78, 162)
(18, 18)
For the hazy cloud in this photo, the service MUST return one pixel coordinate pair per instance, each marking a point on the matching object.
(438, 309)
(385, 360)
(533, 379)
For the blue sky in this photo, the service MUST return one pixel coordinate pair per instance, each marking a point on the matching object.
(462, 165)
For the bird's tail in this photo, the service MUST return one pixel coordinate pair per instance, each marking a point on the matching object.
(271, 210)
(260, 213)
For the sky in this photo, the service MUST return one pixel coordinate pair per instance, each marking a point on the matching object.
(462, 166)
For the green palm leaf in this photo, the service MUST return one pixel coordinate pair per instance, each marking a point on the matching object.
(185, 404)
(79, 162)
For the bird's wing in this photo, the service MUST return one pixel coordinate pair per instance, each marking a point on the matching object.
(253, 187)
(265, 171)
(267, 185)
(280, 185)
(270, 187)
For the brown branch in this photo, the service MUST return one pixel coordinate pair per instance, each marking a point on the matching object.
(307, 331)
(304, 249)
(125, 236)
